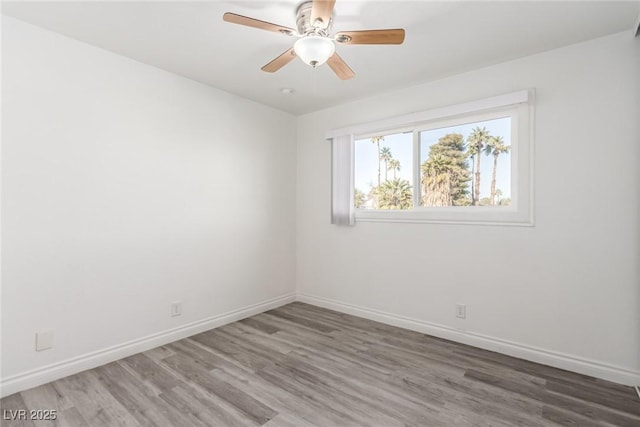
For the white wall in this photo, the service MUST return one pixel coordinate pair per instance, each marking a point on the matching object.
(565, 292)
(125, 188)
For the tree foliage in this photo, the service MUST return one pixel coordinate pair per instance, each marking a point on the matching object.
(445, 173)
(388, 194)
(359, 199)
(394, 194)
(394, 165)
(477, 140)
(386, 157)
(495, 146)
(376, 140)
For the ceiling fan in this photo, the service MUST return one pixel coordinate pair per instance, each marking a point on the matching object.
(315, 46)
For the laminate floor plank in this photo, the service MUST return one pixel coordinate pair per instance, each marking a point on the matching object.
(260, 326)
(268, 351)
(194, 371)
(463, 391)
(299, 320)
(590, 410)
(359, 400)
(339, 326)
(531, 390)
(359, 322)
(282, 400)
(70, 418)
(206, 407)
(15, 411)
(459, 395)
(232, 350)
(520, 365)
(336, 350)
(610, 386)
(594, 395)
(207, 356)
(46, 397)
(382, 389)
(280, 380)
(158, 353)
(93, 401)
(303, 333)
(285, 420)
(303, 366)
(569, 418)
(401, 359)
(258, 338)
(195, 414)
(136, 396)
(150, 372)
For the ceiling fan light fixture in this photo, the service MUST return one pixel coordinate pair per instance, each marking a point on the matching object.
(314, 50)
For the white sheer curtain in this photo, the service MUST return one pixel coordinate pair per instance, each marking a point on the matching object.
(342, 210)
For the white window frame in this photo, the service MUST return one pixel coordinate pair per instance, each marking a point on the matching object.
(517, 105)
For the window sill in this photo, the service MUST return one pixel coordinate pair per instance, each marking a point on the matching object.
(490, 216)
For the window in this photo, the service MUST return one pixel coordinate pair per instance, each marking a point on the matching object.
(466, 165)
(469, 163)
(383, 172)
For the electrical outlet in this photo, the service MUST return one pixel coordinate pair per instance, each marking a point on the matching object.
(176, 309)
(44, 340)
(461, 311)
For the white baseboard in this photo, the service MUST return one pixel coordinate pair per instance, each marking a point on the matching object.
(45, 374)
(546, 357)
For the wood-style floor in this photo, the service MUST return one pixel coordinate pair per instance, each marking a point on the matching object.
(301, 365)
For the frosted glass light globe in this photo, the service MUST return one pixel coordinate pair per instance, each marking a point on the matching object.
(314, 50)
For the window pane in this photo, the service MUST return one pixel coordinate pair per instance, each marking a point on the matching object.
(466, 165)
(384, 172)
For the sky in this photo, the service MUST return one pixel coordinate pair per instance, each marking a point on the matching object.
(401, 146)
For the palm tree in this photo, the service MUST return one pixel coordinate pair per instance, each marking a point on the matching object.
(476, 141)
(395, 194)
(472, 152)
(386, 157)
(437, 181)
(376, 140)
(394, 165)
(495, 145)
(450, 149)
(359, 199)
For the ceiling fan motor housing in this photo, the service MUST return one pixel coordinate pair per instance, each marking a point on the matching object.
(304, 24)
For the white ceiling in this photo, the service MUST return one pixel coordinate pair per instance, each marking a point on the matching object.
(442, 38)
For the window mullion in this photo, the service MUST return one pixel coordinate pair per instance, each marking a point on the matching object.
(416, 169)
